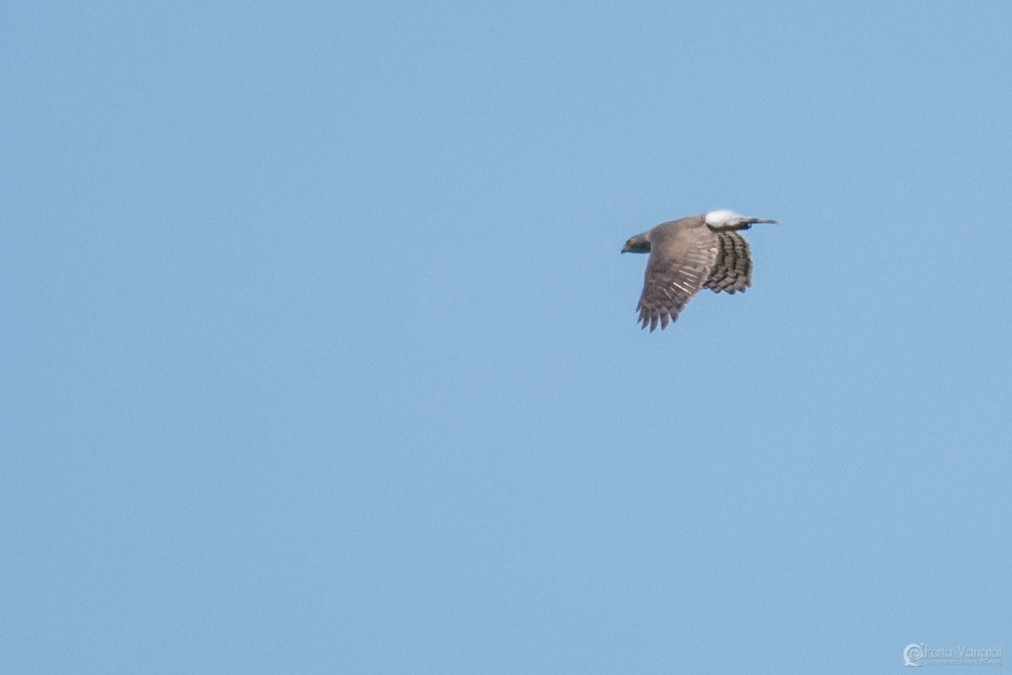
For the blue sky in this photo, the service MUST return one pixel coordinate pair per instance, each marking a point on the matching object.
(318, 353)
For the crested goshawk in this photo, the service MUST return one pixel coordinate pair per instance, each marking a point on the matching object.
(688, 254)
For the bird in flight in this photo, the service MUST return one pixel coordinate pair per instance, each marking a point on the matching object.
(688, 254)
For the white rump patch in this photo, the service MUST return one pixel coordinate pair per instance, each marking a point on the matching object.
(721, 218)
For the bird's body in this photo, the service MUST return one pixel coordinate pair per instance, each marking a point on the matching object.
(688, 254)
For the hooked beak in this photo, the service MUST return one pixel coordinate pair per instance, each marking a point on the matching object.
(626, 248)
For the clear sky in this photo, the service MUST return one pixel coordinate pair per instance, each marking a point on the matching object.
(318, 353)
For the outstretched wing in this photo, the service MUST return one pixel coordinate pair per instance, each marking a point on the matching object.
(733, 269)
(674, 274)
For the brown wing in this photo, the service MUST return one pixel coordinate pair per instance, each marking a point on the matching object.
(733, 269)
(674, 275)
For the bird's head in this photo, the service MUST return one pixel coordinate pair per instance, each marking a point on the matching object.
(638, 244)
